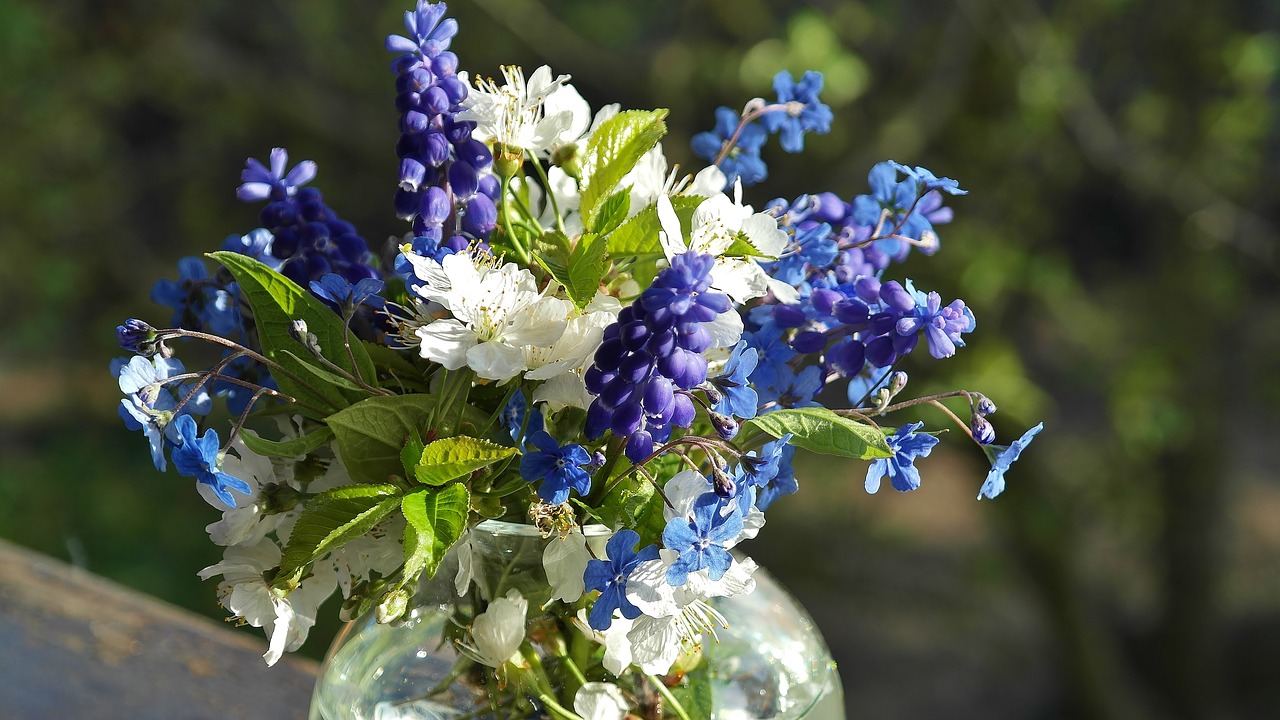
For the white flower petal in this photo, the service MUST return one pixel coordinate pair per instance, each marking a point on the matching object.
(495, 361)
(726, 329)
(600, 701)
(498, 631)
(565, 560)
(446, 342)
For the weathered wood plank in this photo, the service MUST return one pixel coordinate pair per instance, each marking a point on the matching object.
(74, 645)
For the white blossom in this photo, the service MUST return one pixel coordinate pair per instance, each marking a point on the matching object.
(564, 560)
(497, 312)
(717, 223)
(513, 114)
(600, 701)
(245, 591)
(497, 632)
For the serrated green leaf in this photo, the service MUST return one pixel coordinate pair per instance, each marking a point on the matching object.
(372, 433)
(741, 248)
(587, 267)
(822, 431)
(435, 520)
(276, 302)
(639, 234)
(613, 212)
(411, 454)
(289, 448)
(452, 458)
(625, 502)
(552, 250)
(332, 519)
(613, 150)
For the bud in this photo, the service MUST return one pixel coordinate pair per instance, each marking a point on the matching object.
(278, 498)
(880, 400)
(897, 382)
(137, 336)
(724, 485)
(726, 427)
(754, 105)
(298, 331)
(983, 432)
(714, 396)
(392, 606)
(984, 406)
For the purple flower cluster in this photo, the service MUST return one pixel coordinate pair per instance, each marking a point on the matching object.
(444, 178)
(307, 240)
(652, 357)
(848, 318)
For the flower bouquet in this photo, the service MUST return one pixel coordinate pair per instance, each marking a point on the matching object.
(568, 336)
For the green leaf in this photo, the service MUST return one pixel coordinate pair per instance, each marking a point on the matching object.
(822, 431)
(394, 364)
(741, 248)
(625, 502)
(436, 519)
(587, 267)
(639, 235)
(411, 454)
(372, 433)
(552, 250)
(276, 302)
(578, 267)
(613, 212)
(452, 458)
(613, 150)
(289, 448)
(330, 520)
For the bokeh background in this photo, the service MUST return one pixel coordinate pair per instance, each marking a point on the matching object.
(1119, 248)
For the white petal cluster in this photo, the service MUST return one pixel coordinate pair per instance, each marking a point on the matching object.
(244, 591)
(497, 314)
(717, 223)
(516, 114)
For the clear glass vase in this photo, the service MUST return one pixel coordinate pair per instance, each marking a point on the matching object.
(770, 662)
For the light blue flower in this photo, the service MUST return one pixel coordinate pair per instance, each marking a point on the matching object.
(906, 445)
(197, 457)
(1001, 459)
(700, 540)
(610, 578)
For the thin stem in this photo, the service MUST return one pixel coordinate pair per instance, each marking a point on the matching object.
(668, 697)
(958, 421)
(271, 364)
(516, 246)
(742, 125)
(244, 416)
(546, 185)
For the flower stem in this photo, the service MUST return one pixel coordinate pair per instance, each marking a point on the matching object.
(668, 697)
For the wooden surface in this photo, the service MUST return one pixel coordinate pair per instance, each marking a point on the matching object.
(74, 646)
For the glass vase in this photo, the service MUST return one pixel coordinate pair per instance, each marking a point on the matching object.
(769, 662)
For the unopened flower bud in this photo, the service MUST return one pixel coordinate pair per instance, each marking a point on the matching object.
(726, 427)
(984, 406)
(983, 432)
(137, 336)
(754, 105)
(298, 331)
(392, 606)
(897, 382)
(278, 498)
(714, 396)
(724, 485)
(880, 400)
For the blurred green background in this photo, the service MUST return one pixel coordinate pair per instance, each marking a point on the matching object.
(1118, 248)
